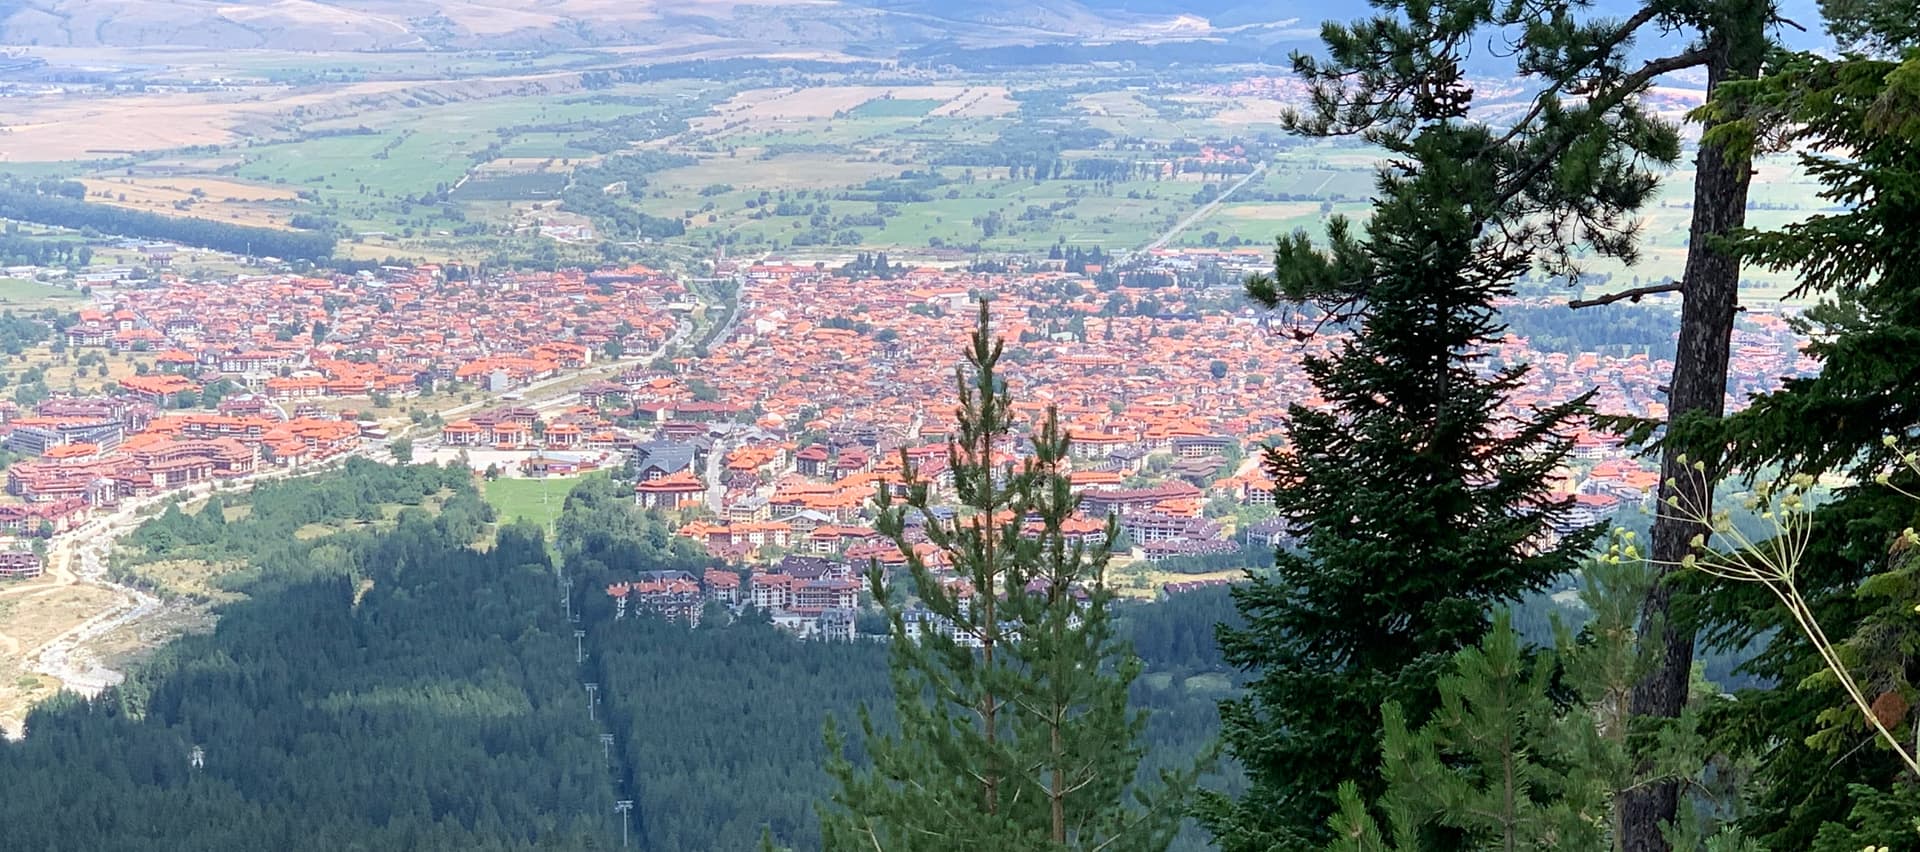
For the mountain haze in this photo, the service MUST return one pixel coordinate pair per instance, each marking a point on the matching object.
(820, 25)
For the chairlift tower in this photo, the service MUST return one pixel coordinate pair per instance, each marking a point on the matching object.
(606, 747)
(624, 807)
(593, 697)
(579, 649)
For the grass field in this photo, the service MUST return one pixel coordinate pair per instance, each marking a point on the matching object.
(20, 294)
(204, 198)
(536, 500)
(894, 108)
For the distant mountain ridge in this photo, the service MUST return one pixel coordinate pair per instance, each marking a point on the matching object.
(868, 27)
(713, 27)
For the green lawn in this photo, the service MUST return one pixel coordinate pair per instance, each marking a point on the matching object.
(537, 500)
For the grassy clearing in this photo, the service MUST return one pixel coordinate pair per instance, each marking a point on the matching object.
(1140, 580)
(191, 577)
(21, 294)
(536, 500)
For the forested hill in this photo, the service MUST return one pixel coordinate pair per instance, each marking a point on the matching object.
(402, 692)
(390, 686)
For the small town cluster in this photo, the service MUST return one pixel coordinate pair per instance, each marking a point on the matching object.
(767, 447)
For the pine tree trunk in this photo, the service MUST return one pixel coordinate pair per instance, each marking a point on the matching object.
(1057, 785)
(990, 628)
(1710, 296)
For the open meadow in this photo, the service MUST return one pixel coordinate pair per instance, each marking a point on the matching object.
(18, 294)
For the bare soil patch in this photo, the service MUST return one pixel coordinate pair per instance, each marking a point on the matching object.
(38, 613)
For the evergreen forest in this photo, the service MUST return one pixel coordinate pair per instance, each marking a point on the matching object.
(393, 685)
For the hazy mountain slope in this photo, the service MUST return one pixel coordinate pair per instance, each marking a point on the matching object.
(400, 24)
(871, 27)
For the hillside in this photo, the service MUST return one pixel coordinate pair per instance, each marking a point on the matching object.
(499, 24)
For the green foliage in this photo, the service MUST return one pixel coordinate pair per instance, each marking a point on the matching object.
(719, 728)
(402, 694)
(1417, 511)
(25, 202)
(1530, 751)
(587, 194)
(278, 509)
(1025, 741)
(1620, 329)
(1880, 819)
(1824, 783)
(602, 534)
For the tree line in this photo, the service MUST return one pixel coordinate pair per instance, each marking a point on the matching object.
(31, 202)
(372, 690)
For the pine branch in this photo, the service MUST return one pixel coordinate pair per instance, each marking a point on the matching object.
(1632, 295)
(1626, 31)
(1628, 85)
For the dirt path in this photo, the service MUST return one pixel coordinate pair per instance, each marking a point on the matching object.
(49, 635)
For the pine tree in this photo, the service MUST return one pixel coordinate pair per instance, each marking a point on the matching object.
(1509, 762)
(1562, 181)
(1826, 784)
(1011, 688)
(1418, 503)
(1421, 500)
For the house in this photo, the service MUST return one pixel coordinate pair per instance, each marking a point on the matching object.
(157, 388)
(37, 438)
(673, 595)
(722, 586)
(837, 625)
(1200, 446)
(813, 461)
(817, 596)
(770, 592)
(1272, 532)
(1126, 459)
(1146, 527)
(1124, 501)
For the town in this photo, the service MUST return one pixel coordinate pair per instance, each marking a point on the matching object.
(822, 386)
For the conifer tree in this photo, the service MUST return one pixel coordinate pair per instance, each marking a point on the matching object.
(1421, 499)
(1010, 687)
(1530, 751)
(1826, 784)
(1562, 179)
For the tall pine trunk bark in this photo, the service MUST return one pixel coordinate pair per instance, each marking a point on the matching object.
(1710, 298)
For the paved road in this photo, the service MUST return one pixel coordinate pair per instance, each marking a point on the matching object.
(1204, 211)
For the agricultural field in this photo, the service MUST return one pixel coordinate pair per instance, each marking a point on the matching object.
(204, 197)
(465, 157)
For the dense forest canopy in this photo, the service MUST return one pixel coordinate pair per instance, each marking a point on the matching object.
(391, 685)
